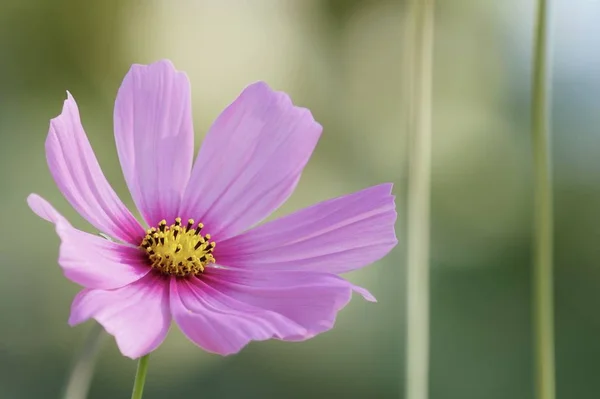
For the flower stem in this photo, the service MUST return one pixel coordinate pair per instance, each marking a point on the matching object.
(419, 82)
(140, 377)
(543, 252)
(80, 378)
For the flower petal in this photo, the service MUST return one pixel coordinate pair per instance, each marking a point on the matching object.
(309, 299)
(89, 260)
(250, 161)
(43, 209)
(155, 137)
(335, 236)
(137, 315)
(76, 171)
(221, 324)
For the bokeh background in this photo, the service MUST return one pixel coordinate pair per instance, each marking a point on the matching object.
(343, 59)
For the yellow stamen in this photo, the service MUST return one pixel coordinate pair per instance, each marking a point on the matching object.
(178, 250)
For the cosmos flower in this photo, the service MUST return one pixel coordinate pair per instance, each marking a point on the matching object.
(199, 261)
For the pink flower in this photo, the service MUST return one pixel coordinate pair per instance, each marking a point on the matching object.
(278, 280)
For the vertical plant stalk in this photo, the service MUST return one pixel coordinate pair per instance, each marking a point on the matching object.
(140, 377)
(82, 371)
(419, 83)
(80, 377)
(543, 301)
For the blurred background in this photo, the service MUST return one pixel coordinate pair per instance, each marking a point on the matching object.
(342, 59)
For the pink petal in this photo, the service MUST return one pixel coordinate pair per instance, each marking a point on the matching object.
(76, 171)
(89, 260)
(250, 161)
(43, 209)
(309, 299)
(334, 236)
(222, 324)
(155, 137)
(137, 315)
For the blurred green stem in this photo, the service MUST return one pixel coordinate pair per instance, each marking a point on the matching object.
(419, 77)
(81, 374)
(140, 377)
(80, 377)
(543, 302)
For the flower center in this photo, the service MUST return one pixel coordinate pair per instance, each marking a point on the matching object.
(178, 250)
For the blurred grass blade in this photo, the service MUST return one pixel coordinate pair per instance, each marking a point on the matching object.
(80, 377)
(543, 306)
(82, 371)
(419, 76)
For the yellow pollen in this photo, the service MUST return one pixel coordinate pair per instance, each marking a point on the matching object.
(178, 250)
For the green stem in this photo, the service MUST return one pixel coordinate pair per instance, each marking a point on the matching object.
(419, 82)
(543, 306)
(80, 377)
(82, 371)
(140, 377)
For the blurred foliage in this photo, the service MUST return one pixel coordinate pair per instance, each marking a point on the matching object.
(341, 59)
